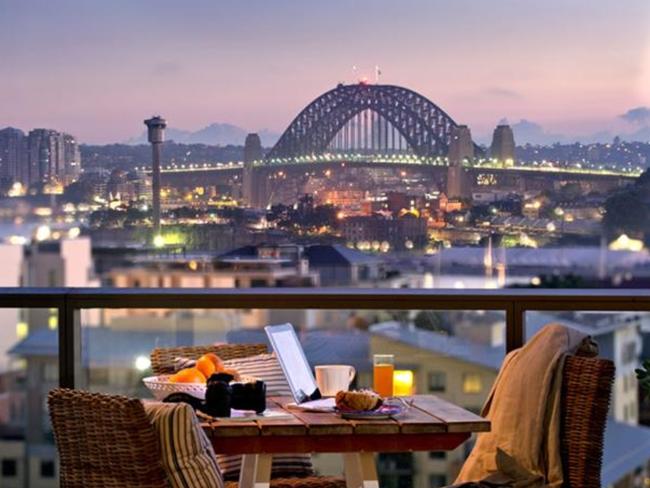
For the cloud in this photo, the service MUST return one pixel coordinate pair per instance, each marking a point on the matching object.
(638, 115)
(529, 132)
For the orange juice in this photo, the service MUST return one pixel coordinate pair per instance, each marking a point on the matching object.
(383, 379)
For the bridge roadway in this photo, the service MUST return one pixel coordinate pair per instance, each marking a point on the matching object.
(399, 162)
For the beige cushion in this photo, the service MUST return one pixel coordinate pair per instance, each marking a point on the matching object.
(187, 454)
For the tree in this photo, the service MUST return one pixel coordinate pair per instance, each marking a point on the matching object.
(626, 212)
(479, 213)
(570, 192)
(136, 217)
(78, 192)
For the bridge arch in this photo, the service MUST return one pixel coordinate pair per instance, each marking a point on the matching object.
(424, 126)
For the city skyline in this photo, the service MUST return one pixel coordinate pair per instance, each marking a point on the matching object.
(224, 63)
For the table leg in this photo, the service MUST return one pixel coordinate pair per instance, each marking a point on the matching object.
(360, 470)
(255, 471)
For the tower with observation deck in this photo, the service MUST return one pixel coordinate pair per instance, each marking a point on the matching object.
(156, 135)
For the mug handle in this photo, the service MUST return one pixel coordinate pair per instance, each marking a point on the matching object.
(353, 373)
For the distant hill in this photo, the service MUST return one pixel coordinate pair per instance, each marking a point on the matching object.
(216, 134)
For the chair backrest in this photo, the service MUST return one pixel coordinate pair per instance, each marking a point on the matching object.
(586, 392)
(162, 359)
(104, 441)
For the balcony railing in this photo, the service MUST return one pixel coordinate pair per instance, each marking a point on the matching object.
(514, 302)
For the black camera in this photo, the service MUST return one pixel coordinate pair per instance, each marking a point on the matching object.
(221, 395)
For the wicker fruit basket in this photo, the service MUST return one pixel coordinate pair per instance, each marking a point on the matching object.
(160, 386)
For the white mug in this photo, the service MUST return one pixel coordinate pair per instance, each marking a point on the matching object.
(333, 378)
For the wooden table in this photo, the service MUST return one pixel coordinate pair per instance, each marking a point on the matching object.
(431, 424)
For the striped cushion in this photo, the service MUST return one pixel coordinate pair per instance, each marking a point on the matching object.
(188, 458)
(266, 367)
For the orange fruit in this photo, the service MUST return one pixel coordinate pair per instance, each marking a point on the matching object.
(205, 366)
(216, 360)
(189, 375)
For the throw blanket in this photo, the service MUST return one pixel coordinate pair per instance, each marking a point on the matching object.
(523, 447)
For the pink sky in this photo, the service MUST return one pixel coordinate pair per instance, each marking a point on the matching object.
(98, 69)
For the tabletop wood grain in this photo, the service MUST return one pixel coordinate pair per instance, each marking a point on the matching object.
(430, 423)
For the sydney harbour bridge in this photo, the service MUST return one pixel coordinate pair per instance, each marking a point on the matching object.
(384, 127)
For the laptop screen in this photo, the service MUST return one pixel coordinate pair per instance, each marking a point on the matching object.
(293, 361)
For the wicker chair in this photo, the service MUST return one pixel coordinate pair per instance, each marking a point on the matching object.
(586, 392)
(104, 441)
(107, 441)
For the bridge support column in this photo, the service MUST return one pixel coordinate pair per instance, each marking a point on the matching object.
(461, 149)
(261, 188)
(250, 176)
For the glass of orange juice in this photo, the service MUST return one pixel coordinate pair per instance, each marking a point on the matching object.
(383, 364)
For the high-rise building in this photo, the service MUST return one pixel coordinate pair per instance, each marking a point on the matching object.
(13, 153)
(503, 145)
(461, 148)
(72, 158)
(45, 159)
(253, 187)
(156, 135)
(50, 156)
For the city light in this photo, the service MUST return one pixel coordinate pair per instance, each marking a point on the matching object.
(16, 190)
(22, 329)
(159, 241)
(43, 233)
(17, 240)
(142, 363)
(625, 243)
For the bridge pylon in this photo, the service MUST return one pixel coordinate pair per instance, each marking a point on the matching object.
(461, 150)
(254, 191)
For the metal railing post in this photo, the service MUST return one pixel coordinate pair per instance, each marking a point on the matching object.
(69, 344)
(515, 325)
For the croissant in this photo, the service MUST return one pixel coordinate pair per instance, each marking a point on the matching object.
(358, 400)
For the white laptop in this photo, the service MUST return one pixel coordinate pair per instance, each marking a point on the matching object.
(291, 357)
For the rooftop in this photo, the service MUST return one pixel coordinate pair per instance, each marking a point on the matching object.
(591, 323)
(586, 258)
(108, 347)
(445, 345)
(324, 255)
(626, 448)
